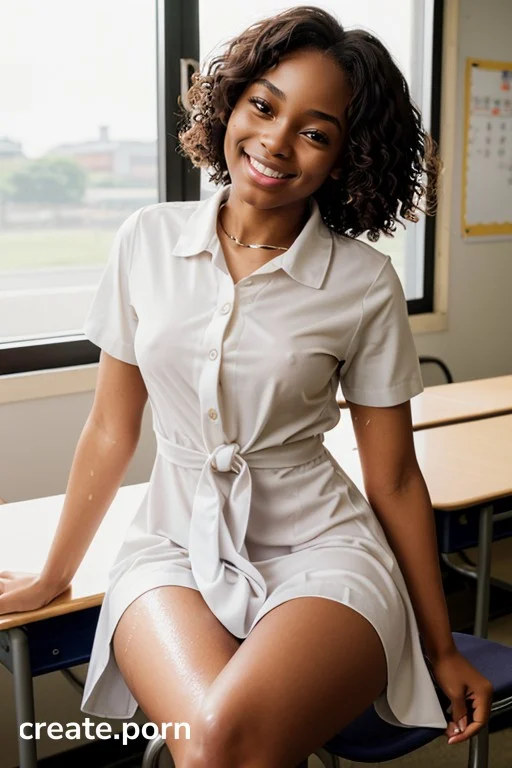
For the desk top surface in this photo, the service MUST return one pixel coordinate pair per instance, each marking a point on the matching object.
(28, 532)
(463, 464)
(460, 401)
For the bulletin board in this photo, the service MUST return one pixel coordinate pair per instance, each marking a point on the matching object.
(487, 165)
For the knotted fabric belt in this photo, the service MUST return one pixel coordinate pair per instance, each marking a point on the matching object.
(229, 583)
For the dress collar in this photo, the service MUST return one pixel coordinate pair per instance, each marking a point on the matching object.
(306, 261)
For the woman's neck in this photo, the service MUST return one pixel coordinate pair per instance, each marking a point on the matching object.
(270, 226)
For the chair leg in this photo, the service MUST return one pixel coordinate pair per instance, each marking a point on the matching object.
(479, 749)
(327, 759)
(152, 752)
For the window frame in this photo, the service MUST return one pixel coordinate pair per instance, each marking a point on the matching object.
(425, 304)
(177, 30)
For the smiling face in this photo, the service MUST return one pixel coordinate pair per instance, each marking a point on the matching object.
(290, 121)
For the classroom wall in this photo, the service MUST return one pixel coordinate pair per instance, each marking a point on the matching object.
(39, 436)
(477, 341)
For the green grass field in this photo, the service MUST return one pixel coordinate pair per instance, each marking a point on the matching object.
(43, 248)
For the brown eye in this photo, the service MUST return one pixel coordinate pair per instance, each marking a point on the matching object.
(319, 137)
(260, 104)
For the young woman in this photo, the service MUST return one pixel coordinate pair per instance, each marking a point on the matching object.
(258, 595)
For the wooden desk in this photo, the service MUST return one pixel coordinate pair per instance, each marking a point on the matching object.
(59, 635)
(468, 471)
(467, 468)
(461, 401)
(30, 527)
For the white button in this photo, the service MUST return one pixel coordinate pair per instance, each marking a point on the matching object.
(248, 282)
(212, 413)
(225, 309)
(212, 354)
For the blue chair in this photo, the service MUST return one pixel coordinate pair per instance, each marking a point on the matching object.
(368, 739)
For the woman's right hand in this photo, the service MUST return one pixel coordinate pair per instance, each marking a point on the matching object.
(20, 591)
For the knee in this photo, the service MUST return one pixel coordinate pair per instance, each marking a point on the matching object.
(217, 740)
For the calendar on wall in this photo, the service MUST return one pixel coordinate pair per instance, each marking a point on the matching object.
(487, 164)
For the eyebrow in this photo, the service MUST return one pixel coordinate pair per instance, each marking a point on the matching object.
(312, 112)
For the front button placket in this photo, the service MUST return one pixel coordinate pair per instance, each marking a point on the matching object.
(213, 432)
(230, 584)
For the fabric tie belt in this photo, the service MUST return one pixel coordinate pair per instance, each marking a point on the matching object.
(229, 583)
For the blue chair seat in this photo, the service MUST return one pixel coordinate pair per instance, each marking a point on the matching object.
(368, 739)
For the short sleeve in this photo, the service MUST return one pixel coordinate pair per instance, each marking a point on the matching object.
(111, 321)
(382, 366)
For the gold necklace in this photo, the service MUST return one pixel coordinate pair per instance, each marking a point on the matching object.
(248, 245)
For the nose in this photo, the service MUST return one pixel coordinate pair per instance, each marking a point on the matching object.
(276, 139)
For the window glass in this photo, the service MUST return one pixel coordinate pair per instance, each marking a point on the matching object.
(78, 151)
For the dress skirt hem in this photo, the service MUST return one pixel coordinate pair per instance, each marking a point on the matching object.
(107, 695)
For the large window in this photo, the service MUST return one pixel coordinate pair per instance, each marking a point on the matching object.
(78, 153)
(88, 135)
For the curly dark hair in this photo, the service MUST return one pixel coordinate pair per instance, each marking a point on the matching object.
(387, 150)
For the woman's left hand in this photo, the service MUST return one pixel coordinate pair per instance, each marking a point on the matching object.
(470, 693)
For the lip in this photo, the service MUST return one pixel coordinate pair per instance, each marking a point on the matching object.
(268, 163)
(260, 178)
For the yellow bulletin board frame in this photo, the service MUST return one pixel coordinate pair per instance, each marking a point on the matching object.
(498, 229)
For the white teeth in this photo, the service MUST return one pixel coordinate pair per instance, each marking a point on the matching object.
(266, 171)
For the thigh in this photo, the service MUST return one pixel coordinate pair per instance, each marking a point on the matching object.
(307, 669)
(170, 648)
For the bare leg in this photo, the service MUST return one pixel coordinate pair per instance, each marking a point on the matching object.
(170, 648)
(306, 670)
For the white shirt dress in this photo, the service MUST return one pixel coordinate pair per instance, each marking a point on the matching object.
(244, 502)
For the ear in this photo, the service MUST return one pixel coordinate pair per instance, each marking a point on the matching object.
(335, 174)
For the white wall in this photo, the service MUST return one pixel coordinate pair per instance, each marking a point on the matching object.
(38, 437)
(477, 341)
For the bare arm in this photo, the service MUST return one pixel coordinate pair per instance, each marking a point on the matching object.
(398, 494)
(103, 453)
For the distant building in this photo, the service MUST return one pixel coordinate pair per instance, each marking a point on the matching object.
(10, 149)
(133, 161)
